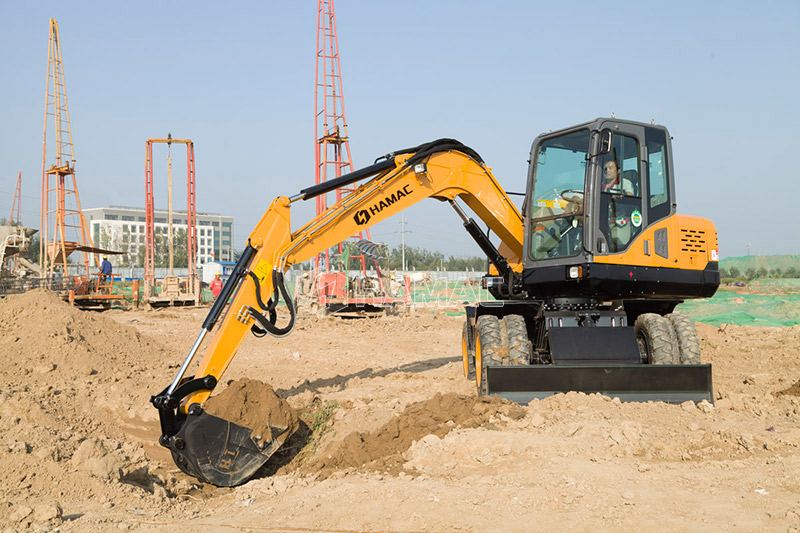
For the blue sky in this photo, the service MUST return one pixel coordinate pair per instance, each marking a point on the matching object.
(237, 77)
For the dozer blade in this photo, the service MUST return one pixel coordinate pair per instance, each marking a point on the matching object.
(628, 382)
(220, 452)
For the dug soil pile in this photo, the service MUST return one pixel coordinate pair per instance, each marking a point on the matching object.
(254, 405)
(66, 380)
(382, 449)
(43, 335)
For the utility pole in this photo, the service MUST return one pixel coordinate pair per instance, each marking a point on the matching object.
(170, 242)
(403, 232)
(748, 248)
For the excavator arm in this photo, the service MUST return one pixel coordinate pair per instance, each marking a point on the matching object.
(223, 453)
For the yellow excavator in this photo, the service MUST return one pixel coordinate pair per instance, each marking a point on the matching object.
(585, 279)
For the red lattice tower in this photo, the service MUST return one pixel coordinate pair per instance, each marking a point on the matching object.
(63, 228)
(332, 156)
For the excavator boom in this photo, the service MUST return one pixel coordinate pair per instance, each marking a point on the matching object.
(445, 170)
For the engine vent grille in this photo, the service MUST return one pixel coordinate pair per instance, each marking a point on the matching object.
(693, 241)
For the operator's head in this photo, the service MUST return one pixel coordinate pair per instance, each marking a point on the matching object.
(217, 275)
(610, 172)
(105, 258)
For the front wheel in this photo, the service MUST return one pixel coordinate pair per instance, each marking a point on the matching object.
(499, 342)
(688, 340)
(656, 339)
(468, 351)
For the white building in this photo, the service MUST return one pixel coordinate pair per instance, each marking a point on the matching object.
(123, 229)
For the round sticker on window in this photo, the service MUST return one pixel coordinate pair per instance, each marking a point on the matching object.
(636, 219)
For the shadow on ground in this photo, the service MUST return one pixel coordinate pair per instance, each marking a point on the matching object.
(340, 382)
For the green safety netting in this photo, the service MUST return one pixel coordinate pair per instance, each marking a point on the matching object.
(746, 309)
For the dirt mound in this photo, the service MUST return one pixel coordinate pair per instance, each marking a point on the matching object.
(57, 342)
(68, 377)
(254, 405)
(382, 449)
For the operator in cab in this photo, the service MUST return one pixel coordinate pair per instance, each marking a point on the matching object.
(613, 181)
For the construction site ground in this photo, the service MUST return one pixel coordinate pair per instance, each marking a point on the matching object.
(79, 438)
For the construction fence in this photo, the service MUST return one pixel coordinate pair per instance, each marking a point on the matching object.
(768, 302)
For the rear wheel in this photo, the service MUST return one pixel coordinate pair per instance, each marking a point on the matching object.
(499, 342)
(468, 351)
(656, 339)
(688, 340)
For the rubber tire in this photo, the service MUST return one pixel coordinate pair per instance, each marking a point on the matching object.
(499, 342)
(468, 352)
(657, 339)
(688, 340)
(519, 345)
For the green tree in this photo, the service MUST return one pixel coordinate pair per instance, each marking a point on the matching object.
(734, 272)
(179, 255)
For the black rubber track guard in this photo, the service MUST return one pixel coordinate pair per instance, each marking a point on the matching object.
(628, 382)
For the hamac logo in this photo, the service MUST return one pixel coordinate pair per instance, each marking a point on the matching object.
(362, 217)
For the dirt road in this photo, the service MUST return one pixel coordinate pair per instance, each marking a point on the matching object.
(80, 453)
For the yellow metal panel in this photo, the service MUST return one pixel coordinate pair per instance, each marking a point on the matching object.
(691, 245)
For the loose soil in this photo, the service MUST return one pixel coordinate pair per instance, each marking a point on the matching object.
(253, 404)
(392, 436)
(382, 448)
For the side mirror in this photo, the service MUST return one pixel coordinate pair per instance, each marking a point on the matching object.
(606, 142)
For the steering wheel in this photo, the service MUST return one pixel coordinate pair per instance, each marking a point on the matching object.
(573, 193)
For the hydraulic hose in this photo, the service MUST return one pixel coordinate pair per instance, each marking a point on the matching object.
(268, 324)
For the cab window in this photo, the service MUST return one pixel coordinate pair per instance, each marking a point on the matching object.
(620, 195)
(556, 206)
(657, 175)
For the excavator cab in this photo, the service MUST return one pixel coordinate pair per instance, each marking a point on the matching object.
(606, 259)
(603, 193)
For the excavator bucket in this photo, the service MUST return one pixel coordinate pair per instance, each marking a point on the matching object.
(220, 452)
(628, 382)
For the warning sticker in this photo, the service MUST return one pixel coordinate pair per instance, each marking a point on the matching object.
(262, 269)
(636, 218)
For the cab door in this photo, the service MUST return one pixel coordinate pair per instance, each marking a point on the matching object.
(619, 182)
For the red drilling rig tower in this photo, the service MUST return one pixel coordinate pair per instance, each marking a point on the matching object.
(332, 156)
(332, 290)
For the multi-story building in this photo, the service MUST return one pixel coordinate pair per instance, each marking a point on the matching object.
(122, 229)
